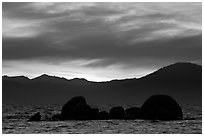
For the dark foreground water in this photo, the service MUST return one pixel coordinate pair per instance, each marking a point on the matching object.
(14, 120)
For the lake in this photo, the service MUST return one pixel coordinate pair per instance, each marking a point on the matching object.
(14, 121)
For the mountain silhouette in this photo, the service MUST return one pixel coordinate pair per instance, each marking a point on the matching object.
(49, 79)
(16, 79)
(178, 74)
(183, 81)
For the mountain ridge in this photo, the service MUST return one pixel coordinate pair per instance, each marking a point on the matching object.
(84, 79)
(183, 81)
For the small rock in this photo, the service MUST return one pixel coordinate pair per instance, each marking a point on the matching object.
(35, 117)
(133, 113)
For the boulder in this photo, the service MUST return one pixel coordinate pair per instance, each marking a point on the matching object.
(94, 113)
(82, 112)
(117, 113)
(103, 115)
(133, 113)
(35, 117)
(67, 109)
(161, 107)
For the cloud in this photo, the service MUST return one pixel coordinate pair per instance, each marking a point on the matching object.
(103, 47)
(102, 35)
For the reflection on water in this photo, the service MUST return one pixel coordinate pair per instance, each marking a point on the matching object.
(15, 121)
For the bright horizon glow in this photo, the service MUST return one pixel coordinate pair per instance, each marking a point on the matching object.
(93, 79)
(93, 75)
(82, 75)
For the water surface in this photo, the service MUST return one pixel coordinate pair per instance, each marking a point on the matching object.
(15, 121)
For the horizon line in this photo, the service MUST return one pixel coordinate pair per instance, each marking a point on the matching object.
(101, 81)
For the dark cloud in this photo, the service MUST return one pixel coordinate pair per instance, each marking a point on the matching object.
(104, 47)
(103, 34)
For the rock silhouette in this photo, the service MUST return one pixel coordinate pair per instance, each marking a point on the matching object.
(94, 113)
(103, 115)
(161, 107)
(69, 109)
(157, 107)
(82, 112)
(77, 109)
(133, 113)
(35, 117)
(117, 113)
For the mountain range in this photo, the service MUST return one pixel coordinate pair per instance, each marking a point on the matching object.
(183, 81)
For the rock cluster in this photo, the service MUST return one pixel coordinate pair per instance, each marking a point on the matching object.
(157, 107)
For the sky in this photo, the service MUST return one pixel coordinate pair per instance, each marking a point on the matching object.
(98, 41)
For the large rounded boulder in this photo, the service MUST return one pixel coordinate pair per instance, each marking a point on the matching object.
(82, 112)
(117, 113)
(161, 107)
(133, 113)
(67, 111)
